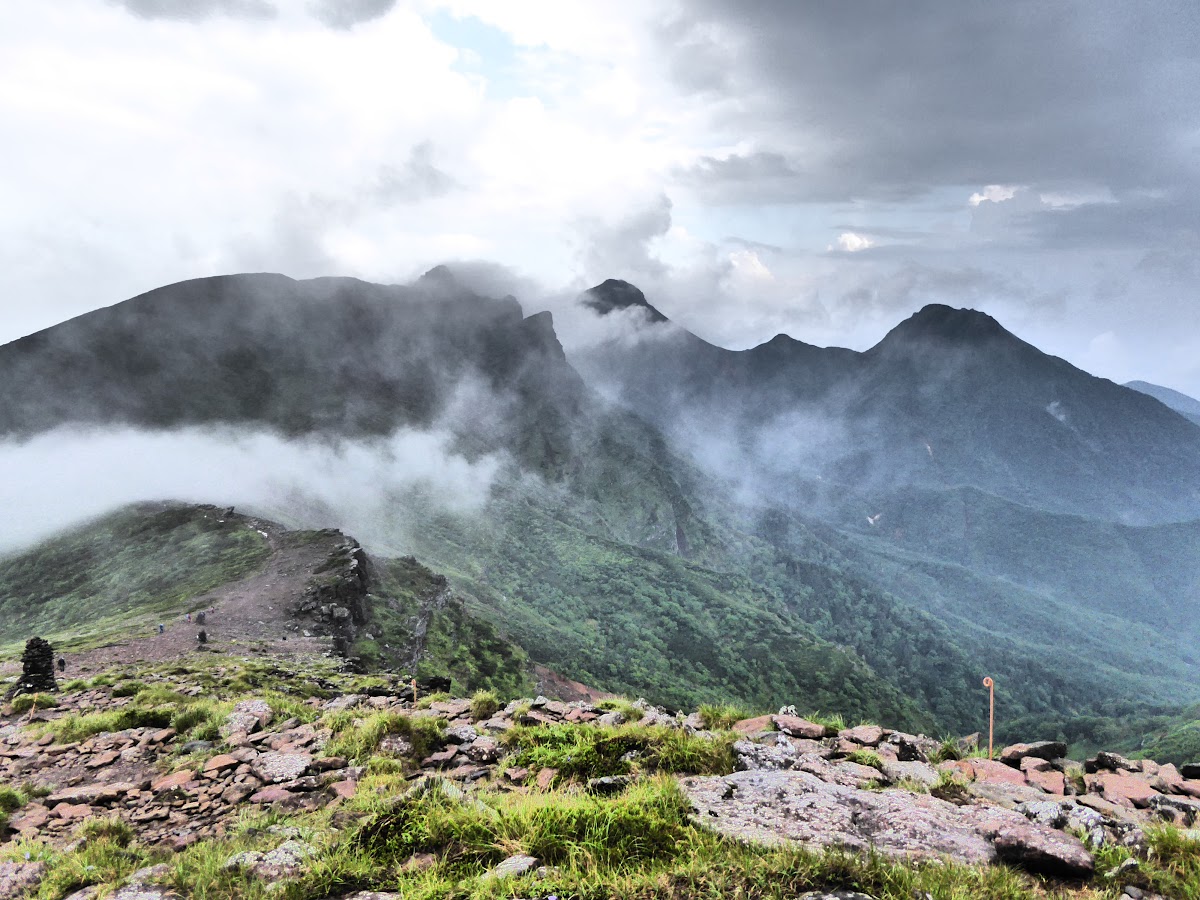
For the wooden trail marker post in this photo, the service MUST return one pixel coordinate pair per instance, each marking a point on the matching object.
(991, 686)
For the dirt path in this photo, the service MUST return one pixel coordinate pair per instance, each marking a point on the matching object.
(245, 617)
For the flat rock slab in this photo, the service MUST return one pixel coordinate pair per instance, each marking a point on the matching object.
(777, 807)
(276, 767)
(773, 807)
(794, 726)
(1012, 755)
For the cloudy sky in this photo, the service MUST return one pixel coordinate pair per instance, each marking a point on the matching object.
(756, 166)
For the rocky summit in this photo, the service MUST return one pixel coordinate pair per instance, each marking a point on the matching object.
(283, 777)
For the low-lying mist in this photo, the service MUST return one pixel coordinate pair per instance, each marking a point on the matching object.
(63, 477)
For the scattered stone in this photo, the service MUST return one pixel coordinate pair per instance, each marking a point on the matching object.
(866, 735)
(247, 717)
(273, 794)
(1124, 790)
(609, 784)
(275, 767)
(20, 879)
(172, 781)
(794, 726)
(1123, 868)
(1044, 851)
(220, 763)
(753, 726)
(1047, 750)
(511, 867)
(1110, 762)
(920, 772)
(991, 771)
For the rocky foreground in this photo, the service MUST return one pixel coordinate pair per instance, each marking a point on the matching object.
(784, 780)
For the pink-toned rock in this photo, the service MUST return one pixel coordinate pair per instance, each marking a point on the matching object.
(1168, 776)
(272, 794)
(174, 780)
(991, 771)
(30, 820)
(867, 735)
(753, 726)
(100, 760)
(1190, 787)
(236, 793)
(330, 762)
(794, 726)
(344, 789)
(1048, 780)
(220, 763)
(575, 714)
(70, 811)
(95, 793)
(1033, 764)
(1125, 790)
(441, 757)
(545, 778)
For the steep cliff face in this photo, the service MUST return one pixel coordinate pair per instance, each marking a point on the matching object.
(336, 602)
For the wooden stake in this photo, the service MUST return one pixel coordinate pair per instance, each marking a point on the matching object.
(991, 686)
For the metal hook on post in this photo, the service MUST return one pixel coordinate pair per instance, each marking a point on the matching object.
(991, 686)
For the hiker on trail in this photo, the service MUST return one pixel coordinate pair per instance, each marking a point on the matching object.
(62, 664)
(202, 637)
(189, 617)
(161, 627)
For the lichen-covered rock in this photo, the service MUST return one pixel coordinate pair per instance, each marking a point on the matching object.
(774, 807)
(274, 767)
(20, 879)
(777, 807)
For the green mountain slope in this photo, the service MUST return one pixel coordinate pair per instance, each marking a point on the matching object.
(643, 621)
(123, 570)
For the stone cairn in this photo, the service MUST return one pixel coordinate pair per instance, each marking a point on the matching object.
(37, 669)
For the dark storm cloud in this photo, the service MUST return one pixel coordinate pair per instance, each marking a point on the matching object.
(1141, 221)
(348, 13)
(884, 100)
(198, 10)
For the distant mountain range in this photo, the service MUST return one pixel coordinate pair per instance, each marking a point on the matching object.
(876, 530)
(947, 399)
(1186, 406)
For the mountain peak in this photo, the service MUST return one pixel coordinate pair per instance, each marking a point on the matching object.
(938, 322)
(615, 294)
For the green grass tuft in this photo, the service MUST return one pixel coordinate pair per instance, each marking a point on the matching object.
(484, 705)
(632, 749)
